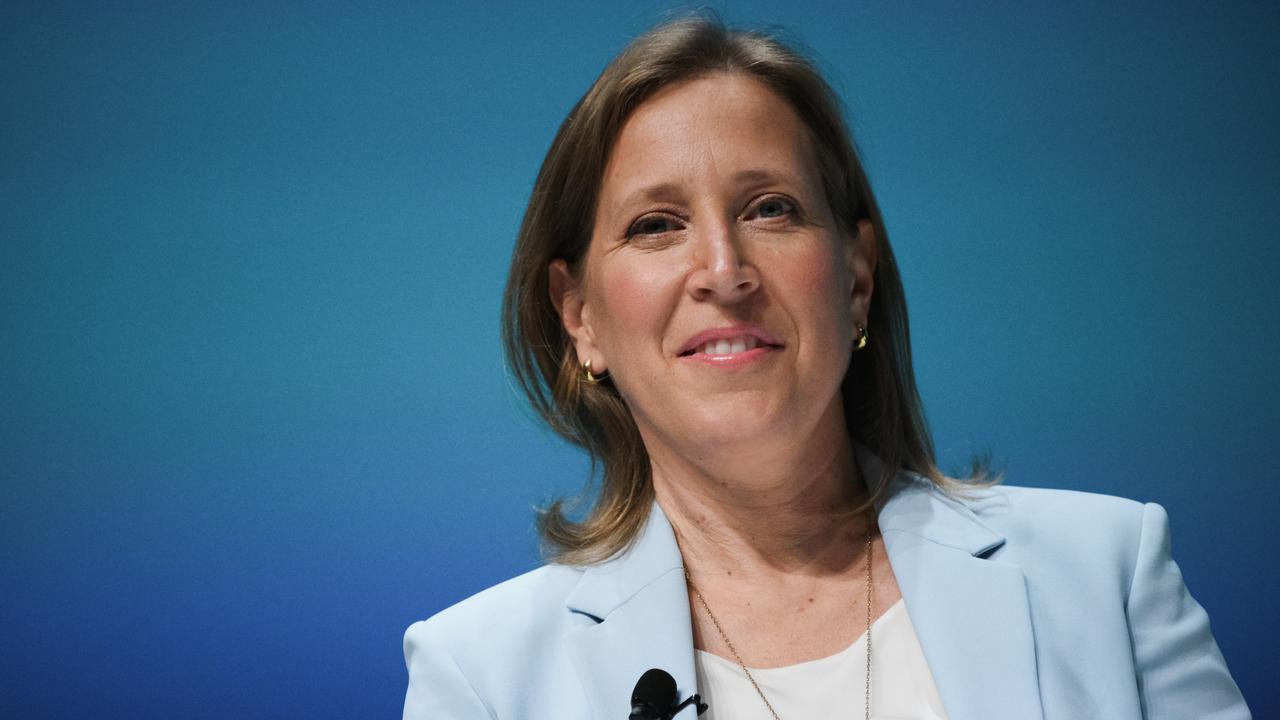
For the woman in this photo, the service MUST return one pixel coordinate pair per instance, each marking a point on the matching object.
(704, 298)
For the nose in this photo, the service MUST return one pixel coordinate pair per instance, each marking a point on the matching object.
(721, 271)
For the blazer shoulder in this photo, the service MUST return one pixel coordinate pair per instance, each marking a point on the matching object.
(463, 660)
(514, 603)
(1076, 533)
(1076, 515)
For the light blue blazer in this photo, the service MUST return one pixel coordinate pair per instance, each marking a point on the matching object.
(1029, 604)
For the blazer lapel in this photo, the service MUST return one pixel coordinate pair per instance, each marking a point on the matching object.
(970, 613)
(636, 617)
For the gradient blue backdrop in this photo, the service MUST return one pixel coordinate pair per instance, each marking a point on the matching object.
(253, 416)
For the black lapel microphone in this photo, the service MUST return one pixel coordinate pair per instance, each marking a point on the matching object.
(655, 697)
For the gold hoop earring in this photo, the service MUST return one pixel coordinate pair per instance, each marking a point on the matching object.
(861, 342)
(591, 379)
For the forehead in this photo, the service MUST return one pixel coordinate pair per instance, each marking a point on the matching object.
(717, 125)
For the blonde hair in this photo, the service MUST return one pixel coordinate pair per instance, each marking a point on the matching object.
(882, 406)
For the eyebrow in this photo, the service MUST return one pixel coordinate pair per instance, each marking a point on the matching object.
(671, 192)
(660, 192)
(761, 176)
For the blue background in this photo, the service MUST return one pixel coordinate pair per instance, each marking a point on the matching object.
(253, 415)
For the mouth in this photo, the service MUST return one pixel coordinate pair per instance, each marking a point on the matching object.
(724, 346)
(729, 343)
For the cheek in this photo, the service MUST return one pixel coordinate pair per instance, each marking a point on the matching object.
(823, 286)
(631, 302)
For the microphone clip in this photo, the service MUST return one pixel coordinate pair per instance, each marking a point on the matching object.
(655, 695)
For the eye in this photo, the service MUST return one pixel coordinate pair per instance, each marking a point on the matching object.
(772, 206)
(653, 225)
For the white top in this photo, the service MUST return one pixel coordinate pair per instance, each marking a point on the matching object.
(901, 685)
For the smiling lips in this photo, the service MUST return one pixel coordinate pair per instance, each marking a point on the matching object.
(729, 346)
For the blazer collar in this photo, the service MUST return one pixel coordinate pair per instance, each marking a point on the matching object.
(970, 612)
(637, 617)
(914, 505)
(606, 586)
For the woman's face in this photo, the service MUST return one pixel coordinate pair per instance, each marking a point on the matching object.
(718, 291)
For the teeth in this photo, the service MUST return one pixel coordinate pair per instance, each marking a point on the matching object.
(729, 346)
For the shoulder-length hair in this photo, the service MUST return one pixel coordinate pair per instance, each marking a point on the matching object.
(882, 406)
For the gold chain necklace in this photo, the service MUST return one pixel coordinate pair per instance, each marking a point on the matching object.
(743, 665)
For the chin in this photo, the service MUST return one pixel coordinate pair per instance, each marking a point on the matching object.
(733, 423)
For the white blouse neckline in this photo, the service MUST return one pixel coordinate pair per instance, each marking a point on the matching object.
(902, 685)
(806, 665)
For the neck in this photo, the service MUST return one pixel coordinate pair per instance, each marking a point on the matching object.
(766, 514)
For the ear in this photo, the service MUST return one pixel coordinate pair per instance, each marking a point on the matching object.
(861, 258)
(566, 294)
